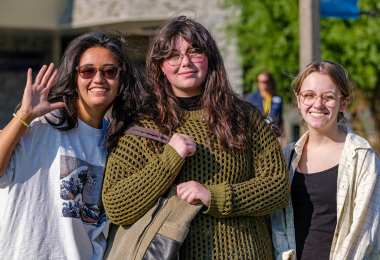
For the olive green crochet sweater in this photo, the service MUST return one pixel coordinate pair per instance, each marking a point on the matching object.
(245, 187)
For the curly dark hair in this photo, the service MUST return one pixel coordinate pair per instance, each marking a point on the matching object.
(64, 89)
(226, 114)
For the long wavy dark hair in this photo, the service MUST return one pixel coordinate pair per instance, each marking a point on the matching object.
(226, 114)
(129, 96)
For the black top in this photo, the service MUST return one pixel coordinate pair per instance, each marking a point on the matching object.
(189, 103)
(314, 205)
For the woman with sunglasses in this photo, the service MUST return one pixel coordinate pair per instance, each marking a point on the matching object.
(52, 153)
(221, 148)
(334, 208)
(268, 101)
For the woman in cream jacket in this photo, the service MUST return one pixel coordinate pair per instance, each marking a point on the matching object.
(334, 208)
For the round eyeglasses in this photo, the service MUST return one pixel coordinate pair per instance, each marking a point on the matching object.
(328, 99)
(194, 55)
(88, 72)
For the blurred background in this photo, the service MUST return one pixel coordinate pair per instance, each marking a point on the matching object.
(254, 36)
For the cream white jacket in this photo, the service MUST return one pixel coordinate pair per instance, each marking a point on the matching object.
(358, 204)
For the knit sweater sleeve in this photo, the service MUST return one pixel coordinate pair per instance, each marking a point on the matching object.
(135, 178)
(267, 191)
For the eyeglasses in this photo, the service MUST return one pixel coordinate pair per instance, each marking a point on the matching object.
(194, 55)
(328, 99)
(88, 72)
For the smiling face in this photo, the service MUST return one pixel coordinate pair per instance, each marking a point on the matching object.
(317, 115)
(97, 93)
(188, 78)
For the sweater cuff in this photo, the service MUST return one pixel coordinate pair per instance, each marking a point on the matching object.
(171, 159)
(220, 202)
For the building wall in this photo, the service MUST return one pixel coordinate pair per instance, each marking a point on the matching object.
(18, 52)
(36, 14)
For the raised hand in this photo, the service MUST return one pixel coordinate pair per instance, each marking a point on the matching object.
(34, 102)
(193, 192)
(183, 144)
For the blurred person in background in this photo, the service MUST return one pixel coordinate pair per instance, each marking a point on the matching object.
(269, 103)
(334, 209)
(227, 156)
(52, 153)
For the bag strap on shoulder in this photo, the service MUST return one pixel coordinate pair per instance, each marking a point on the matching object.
(148, 133)
(291, 157)
(290, 162)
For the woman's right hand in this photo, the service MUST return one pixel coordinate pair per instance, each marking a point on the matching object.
(183, 144)
(34, 101)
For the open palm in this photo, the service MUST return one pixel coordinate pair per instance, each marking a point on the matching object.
(34, 102)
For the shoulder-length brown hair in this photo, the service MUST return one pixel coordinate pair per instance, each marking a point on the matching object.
(225, 113)
(271, 82)
(338, 75)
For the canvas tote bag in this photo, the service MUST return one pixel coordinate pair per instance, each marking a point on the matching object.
(159, 233)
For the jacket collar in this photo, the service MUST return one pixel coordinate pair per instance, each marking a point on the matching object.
(356, 141)
(353, 141)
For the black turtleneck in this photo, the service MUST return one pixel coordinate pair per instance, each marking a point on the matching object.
(189, 103)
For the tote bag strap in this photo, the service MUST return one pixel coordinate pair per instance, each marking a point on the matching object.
(290, 162)
(148, 133)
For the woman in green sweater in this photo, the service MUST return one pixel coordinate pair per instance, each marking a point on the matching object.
(228, 157)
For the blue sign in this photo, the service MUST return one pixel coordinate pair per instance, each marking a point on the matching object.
(344, 9)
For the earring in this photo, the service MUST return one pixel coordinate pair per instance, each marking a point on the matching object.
(163, 72)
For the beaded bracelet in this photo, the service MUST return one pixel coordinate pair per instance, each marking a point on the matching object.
(22, 121)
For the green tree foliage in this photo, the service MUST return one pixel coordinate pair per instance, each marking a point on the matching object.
(356, 45)
(267, 33)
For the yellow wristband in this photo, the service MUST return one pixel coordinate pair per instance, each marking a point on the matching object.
(22, 121)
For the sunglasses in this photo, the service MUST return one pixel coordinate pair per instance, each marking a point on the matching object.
(88, 72)
(263, 81)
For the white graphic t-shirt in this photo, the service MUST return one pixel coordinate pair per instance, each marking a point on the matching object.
(50, 194)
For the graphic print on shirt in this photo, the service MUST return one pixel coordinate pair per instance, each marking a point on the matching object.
(80, 190)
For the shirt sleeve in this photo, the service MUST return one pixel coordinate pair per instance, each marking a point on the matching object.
(282, 249)
(267, 191)
(362, 237)
(136, 177)
(16, 162)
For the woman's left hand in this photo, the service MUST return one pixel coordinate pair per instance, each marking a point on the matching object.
(193, 192)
